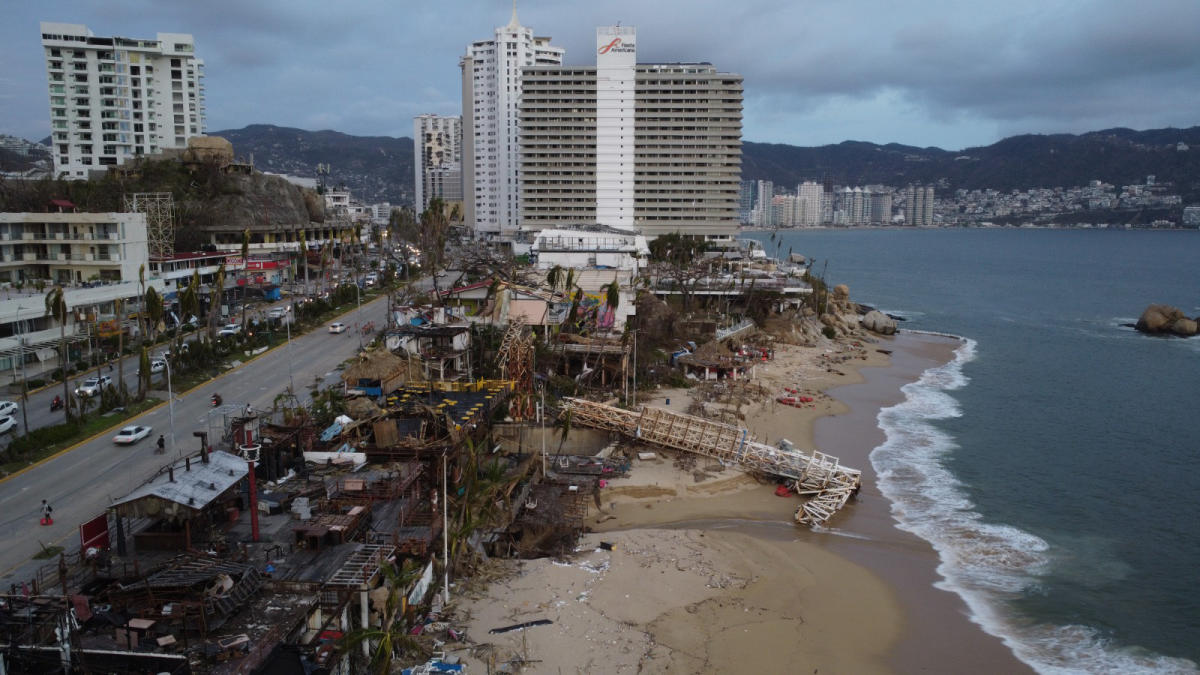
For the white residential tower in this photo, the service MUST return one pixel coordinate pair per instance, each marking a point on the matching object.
(491, 92)
(112, 98)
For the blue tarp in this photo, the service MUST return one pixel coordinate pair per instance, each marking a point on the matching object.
(330, 433)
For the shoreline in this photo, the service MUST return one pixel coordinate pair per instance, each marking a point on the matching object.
(726, 546)
(907, 563)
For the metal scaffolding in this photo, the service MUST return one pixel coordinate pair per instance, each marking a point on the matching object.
(159, 208)
(816, 475)
(515, 359)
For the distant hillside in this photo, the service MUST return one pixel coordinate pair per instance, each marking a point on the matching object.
(379, 168)
(375, 168)
(1118, 156)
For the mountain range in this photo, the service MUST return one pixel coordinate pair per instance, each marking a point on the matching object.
(380, 168)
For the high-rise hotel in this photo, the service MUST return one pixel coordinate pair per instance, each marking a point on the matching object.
(491, 135)
(654, 147)
(112, 98)
(437, 159)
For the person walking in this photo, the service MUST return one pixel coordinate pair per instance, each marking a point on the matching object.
(46, 511)
(162, 445)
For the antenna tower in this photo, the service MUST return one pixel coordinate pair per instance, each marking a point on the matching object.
(159, 208)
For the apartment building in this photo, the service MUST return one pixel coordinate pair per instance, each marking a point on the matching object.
(112, 98)
(437, 159)
(918, 205)
(491, 138)
(653, 147)
(72, 248)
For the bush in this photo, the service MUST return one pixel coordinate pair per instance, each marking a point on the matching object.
(829, 332)
(39, 438)
(36, 383)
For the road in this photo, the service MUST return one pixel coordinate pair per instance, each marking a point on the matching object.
(38, 406)
(81, 483)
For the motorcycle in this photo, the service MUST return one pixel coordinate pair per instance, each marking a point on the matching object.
(216, 400)
(56, 404)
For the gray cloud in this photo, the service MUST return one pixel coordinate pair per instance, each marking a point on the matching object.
(930, 73)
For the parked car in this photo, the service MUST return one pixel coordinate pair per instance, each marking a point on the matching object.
(157, 366)
(9, 408)
(131, 434)
(277, 312)
(7, 424)
(338, 327)
(93, 386)
(229, 330)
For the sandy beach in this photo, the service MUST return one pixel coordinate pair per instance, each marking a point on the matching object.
(703, 570)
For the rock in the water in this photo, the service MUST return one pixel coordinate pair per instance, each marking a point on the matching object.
(878, 322)
(1185, 327)
(1162, 319)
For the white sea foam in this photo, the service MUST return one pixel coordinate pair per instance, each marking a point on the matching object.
(984, 563)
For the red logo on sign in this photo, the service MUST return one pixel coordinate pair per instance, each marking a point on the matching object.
(608, 47)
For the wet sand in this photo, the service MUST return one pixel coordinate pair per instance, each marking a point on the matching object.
(938, 636)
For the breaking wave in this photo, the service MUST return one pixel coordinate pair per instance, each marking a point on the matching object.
(986, 564)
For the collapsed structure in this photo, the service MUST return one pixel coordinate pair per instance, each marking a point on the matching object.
(816, 475)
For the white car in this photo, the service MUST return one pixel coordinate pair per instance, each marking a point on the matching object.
(9, 409)
(338, 327)
(157, 366)
(130, 435)
(229, 330)
(7, 424)
(93, 385)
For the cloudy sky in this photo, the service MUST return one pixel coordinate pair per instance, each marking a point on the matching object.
(920, 72)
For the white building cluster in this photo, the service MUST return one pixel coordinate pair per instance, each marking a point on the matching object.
(112, 98)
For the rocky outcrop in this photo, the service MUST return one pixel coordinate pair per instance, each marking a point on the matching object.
(1167, 320)
(878, 322)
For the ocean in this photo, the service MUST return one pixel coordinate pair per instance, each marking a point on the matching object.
(1054, 464)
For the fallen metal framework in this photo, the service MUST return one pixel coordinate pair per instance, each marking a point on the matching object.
(515, 359)
(816, 475)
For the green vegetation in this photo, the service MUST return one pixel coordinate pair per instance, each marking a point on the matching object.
(47, 552)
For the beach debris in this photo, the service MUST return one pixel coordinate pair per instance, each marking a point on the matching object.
(816, 475)
(520, 626)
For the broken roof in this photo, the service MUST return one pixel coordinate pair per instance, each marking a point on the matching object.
(191, 489)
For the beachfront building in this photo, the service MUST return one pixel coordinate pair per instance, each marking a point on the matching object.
(651, 147)
(437, 159)
(808, 204)
(595, 248)
(918, 205)
(492, 87)
(113, 98)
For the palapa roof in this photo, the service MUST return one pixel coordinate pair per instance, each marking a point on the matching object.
(373, 365)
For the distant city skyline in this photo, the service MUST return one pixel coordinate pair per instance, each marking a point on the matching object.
(951, 75)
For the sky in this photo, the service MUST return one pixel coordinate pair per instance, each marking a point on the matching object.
(918, 72)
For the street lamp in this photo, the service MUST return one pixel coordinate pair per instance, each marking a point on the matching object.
(170, 401)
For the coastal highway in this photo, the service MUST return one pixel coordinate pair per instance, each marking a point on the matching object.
(37, 409)
(81, 483)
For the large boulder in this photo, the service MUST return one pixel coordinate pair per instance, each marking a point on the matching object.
(1185, 327)
(1162, 319)
(878, 322)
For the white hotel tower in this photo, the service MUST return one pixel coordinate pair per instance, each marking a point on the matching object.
(112, 98)
(491, 138)
(651, 147)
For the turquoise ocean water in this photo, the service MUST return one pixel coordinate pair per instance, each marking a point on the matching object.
(1055, 464)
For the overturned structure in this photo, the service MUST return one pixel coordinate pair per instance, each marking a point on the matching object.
(816, 475)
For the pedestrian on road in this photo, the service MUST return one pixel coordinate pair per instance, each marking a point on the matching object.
(46, 511)
(162, 445)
